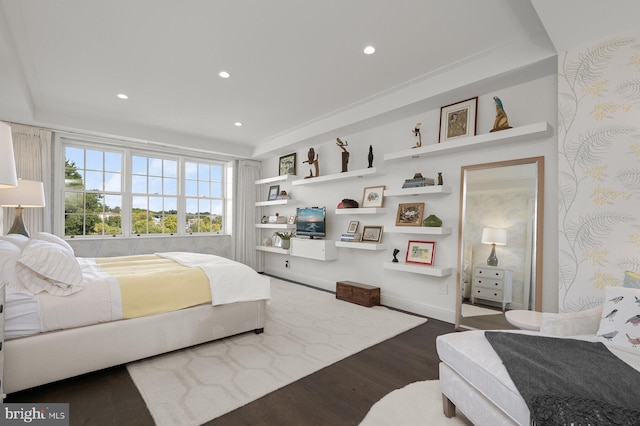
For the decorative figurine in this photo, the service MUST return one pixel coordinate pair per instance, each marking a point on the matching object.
(502, 122)
(283, 196)
(395, 253)
(432, 221)
(439, 178)
(416, 132)
(345, 153)
(312, 159)
(370, 157)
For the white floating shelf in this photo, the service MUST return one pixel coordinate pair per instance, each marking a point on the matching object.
(515, 134)
(423, 230)
(361, 246)
(273, 203)
(272, 249)
(362, 210)
(435, 271)
(274, 179)
(432, 189)
(339, 176)
(275, 225)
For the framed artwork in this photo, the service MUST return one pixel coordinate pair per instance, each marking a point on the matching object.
(292, 219)
(458, 120)
(420, 252)
(372, 234)
(287, 165)
(373, 196)
(274, 190)
(353, 226)
(410, 214)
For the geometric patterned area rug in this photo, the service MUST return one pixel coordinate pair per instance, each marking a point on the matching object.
(306, 330)
(418, 403)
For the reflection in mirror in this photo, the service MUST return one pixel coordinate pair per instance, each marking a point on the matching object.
(500, 241)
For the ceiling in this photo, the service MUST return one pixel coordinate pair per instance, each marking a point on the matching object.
(297, 67)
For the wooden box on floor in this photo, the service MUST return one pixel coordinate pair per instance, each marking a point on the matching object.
(361, 294)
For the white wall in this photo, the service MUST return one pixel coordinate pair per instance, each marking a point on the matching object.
(525, 104)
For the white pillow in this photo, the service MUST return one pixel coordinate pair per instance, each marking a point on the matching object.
(620, 323)
(45, 236)
(17, 239)
(9, 254)
(46, 266)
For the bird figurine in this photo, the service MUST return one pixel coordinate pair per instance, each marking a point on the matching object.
(609, 335)
(312, 159)
(617, 299)
(611, 314)
(416, 132)
(345, 153)
(501, 122)
(340, 143)
(633, 340)
(635, 320)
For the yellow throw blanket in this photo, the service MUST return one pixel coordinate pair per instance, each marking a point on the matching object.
(150, 284)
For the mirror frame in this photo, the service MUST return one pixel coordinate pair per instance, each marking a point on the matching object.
(539, 231)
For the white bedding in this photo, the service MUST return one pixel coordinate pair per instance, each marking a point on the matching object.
(100, 300)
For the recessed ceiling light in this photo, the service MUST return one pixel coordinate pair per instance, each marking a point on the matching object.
(224, 74)
(369, 50)
(122, 96)
(238, 124)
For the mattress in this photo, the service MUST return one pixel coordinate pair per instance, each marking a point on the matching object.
(22, 314)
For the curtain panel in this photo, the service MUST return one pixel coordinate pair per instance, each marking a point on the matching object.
(246, 214)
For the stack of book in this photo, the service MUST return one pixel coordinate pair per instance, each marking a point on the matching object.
(417, 182)
(350, 237)
(277, 219)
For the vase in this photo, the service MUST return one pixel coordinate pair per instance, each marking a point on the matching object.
(432, 220)
(286, 244)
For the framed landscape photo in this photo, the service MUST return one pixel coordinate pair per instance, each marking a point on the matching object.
(353, 227)
(373, 196)
(421, 252)
(458, 120)
(274, 190)
(372, 234)
(287, 165)
(410, 214)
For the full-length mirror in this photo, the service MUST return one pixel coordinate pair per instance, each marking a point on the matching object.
(500, 241)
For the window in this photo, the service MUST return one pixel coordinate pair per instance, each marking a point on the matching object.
(92, 192)
(119, 192)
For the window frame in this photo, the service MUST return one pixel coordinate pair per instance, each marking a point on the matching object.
(128, 152)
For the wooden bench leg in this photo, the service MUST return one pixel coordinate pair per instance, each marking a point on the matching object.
(448, 407)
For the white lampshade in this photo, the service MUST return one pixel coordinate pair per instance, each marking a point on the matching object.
(8, 178)
(28, 193)
(494, 236)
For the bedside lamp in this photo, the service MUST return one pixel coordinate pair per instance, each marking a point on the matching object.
(8, 178)
(494, 236)
(28, 193)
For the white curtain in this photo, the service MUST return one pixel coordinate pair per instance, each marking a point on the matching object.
(246, 214)
(32, 149)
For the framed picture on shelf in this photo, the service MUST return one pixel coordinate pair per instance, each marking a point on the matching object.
(373, 197)
(372, 234)
(421, 252)
(410, 214)
(353, 227)
(458, 120)
(292, 219)
(274, 190)
(287, 165)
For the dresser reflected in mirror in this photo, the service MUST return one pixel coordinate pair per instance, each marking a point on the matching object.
(500, 242)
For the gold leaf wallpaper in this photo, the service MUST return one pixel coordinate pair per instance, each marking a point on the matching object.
(598, 168)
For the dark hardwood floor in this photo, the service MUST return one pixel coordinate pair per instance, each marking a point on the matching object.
(340, 394)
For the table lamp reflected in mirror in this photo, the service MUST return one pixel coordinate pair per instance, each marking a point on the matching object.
(494, 236)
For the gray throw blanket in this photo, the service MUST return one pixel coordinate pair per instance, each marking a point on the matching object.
(568, 381)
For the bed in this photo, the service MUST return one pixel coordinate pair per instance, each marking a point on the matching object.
(67, 316)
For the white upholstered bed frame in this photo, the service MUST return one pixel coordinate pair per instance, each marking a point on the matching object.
(48, 357)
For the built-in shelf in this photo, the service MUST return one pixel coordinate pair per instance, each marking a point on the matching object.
(515, 134)
(362, 210)
(274, 179)
(420, 190)
(275, 225)
(274, 203)
(272, 249)
(435, 271)
(339, 176)
(361, 246)
(423, 230)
